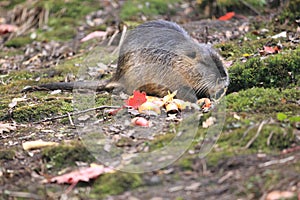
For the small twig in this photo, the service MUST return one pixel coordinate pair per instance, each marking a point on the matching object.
(121, 40)
(269, 138)
(204, 166)
(70, 119)
(250, 7)
(20, 194)
(279, 161)
(225, 177)
(75, 113)
(256, 135)
(247, 131)
(113, 37)
(206, 34)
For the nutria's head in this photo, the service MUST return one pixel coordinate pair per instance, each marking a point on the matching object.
(203, 70)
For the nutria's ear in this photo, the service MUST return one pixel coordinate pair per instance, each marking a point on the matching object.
(191, 54)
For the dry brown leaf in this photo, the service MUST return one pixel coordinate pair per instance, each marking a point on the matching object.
(209, 122)
(15, 101)
(7, 127)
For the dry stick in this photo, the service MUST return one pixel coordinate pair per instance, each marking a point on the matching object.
(250, 7)
(20, 194)
(75, 113)
(70, 119)
(121, 40)
(269, 138)
(113, 37)
(279, 161)
(256, 135)
(247, 131)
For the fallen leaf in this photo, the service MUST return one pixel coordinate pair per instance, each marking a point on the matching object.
(205, 104)
(236, 116)
(209, 122)
(7, 127)
(83, 174)
(37, 144)
(138, 99)
(15, 101)
(279, 35)
(227, 16)
(7, 28)
(55, 92)
(95, 34)
(270, 50)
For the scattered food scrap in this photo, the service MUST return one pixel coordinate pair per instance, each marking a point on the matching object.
(37, 144)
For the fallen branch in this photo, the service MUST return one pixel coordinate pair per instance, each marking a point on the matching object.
(250, 7)
(256, 135)
(16, 194)
(269, 138)
(279, 161)
(76, 113)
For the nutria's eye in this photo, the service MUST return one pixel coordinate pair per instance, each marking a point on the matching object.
(191, 54)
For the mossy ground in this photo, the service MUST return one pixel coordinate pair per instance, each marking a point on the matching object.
(261, 89)
(150, 8)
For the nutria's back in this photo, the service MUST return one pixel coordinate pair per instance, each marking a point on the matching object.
(159, 56)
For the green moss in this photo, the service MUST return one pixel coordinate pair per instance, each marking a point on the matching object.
(7, 154)
(41, 109)
(185, 163)
(18, 42)
(237, 139)
(150, 8)
(66, 155)
(60, 34)
(116, 183)
(229, 3)
(214, 157)
(253, 186)
(10, 52)
(103, 99)
(258, 183)
(161, 141)
(64, 17)
(291, 12)
(281, 70)
(263, 100)
(12, 3)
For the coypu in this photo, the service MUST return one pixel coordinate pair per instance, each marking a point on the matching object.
(160, 56)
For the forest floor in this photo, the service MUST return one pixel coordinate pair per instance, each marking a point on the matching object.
(257, 155)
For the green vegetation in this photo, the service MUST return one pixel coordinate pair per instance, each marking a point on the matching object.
(220, 7)
(116, 183)
(7, 154)
(44, 108)
(66, 155)
(281, 70)
(263, 100)
(132, 9)
(290, 13)
(18, 42)
(12, 3)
